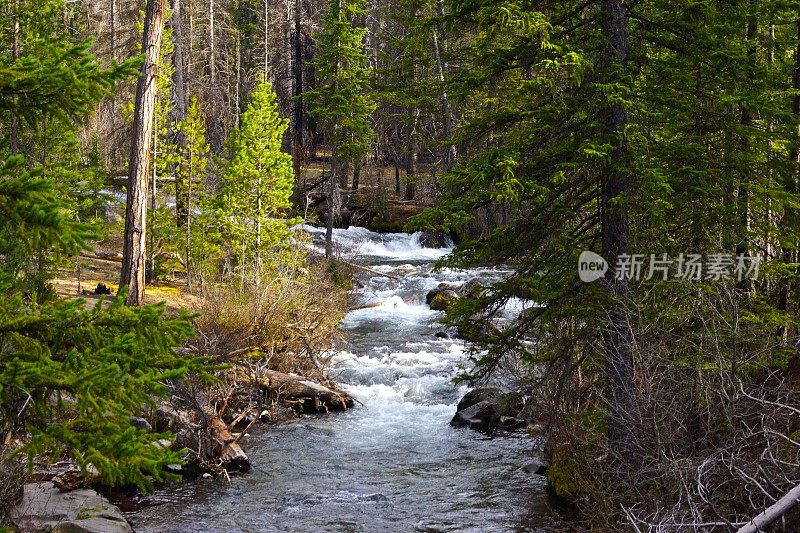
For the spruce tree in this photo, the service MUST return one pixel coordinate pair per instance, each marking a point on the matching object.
(257, 186)
(341, 102)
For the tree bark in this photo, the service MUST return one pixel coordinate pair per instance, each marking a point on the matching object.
(179, 110)
(618, 368)
(297, 131)
(447, 112)
(773, 512)
(134, 253)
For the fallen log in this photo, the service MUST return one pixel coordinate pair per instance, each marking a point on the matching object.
(773, 512)
(293, 389)
(227, 446)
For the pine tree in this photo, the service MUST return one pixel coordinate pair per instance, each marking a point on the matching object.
(257, 185)
(71, 378)
(340, 102)
(192, 170)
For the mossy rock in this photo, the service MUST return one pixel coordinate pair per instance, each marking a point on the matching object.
(477, 331)
(443, 299)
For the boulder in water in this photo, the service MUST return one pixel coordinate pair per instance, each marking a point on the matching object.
(477, 331)
(433, 239)
(443, 299)
(487, 409)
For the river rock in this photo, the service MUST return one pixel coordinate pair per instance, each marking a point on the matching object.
(471, 289)
(433, 239)
(487, 409)
(535, 467)
(45, 508)
(443, 299)
(477, 331)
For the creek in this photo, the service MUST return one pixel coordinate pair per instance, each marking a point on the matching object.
(393, 464)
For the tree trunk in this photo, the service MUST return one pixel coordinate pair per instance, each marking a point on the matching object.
(179, 111)
(14, 140)
(297, 132)
(356, 175)
(212, 57)
(333, 204)
(618, 337)
(134, 253)
(447, 112)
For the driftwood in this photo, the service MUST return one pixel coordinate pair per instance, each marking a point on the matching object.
(227, 446)
(297, 390)
(773, 512)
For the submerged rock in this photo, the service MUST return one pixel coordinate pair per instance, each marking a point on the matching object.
(538, 468)
(45, 508)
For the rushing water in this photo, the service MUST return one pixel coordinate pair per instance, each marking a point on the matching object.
(394, 464)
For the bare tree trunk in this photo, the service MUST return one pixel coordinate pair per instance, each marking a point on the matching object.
(356, 175)
(746, 120)
(618, 336)
(297, 139)
(266, 39)
(333, 204)
(411, 163)
(773, 512)
(134, 253)
(212, 59)
(447, 112)
(179, 110)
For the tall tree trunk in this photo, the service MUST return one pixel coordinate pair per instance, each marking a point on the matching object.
(266, 39)
(297, 132)
(134, 253)
(212, 59)
(179, 112)
(447, 112)
(356, 175)
(618, 369)
(411, 162)
(333, 204)
(791, 187)
(746, 120)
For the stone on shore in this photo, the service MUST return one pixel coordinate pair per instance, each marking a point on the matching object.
(45, 508)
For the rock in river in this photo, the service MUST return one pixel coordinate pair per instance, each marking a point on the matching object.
(487, 409)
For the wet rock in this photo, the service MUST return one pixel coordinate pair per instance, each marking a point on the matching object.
(441, 335)
(471, 289)
(480, 416)
(140, 423)
(443, 299)
(538, 468)
(440, 288)
(45, 508)
(487, 409)
(433, 239)
(477, 331)
(492, 394)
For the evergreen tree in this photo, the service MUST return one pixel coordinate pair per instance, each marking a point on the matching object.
(257, 185)
(71, 378)
(192, 171)
(340, 102)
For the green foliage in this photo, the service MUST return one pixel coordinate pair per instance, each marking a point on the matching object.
(340, 101)
(73, 378)
(257, 187)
